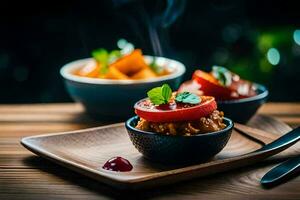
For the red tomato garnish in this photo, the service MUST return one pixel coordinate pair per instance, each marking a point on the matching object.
(173, 112)
(211, 87)
(191, 86)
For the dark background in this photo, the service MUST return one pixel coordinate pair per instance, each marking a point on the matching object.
(37, 38)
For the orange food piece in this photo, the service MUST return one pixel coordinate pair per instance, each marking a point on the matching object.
(114, 73)
(207, 76)
(164, 72)
(91, 69)
(131, 63)
(144, 74)
(211, 87)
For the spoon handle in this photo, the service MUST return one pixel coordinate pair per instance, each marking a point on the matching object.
(283, 142)
(266, 151)
(281, 172)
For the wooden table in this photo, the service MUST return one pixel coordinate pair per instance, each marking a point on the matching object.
(26, 176)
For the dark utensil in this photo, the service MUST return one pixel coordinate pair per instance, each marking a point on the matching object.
(283, 142)
(281, 172)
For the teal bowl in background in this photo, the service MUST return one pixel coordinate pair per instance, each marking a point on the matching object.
(241, 110)
(113, 100)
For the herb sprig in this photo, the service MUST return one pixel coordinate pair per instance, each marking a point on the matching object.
(223, 75)
(162, 95)
(154, 66)
(105, 58)
(187, 97)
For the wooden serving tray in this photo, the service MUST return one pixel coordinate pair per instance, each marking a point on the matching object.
(85, 151)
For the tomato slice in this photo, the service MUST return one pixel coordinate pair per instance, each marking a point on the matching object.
(211, 87)
(174, 112)
(191, 86)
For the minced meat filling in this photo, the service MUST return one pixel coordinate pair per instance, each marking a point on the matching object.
(211, 123)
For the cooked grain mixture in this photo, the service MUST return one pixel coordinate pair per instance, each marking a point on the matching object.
(211, 123)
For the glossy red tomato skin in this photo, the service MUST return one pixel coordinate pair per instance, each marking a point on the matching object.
(182, 114)
(191, 86)
(212, 88)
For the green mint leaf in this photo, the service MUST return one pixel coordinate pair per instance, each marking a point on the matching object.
(166, 92)
(101, 56)
(187, 97)
(154, 66)
(113, 56)
(105, 58)
(223, 75)
(155, 96)
(160, 95)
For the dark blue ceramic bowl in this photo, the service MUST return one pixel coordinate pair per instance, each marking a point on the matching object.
(242, 110)
(113, 99)
(178, 149)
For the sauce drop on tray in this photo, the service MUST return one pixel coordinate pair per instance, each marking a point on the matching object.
(118, 164)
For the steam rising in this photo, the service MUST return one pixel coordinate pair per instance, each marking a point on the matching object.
(158, 22)
(174, 9)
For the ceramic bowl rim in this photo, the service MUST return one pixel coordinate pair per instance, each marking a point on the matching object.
(226, 129)
(65, 72)
(259, 96)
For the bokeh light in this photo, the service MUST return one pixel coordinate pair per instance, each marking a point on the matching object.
(296, 36)
(273, 56)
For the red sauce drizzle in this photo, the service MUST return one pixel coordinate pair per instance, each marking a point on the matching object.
(174, 106)
(118, 164)
(169, 106)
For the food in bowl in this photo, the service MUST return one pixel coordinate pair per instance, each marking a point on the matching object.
(239, 99)
(220, 83)
(111, 99)
(178, 127)
(178, 113)
(125, 63)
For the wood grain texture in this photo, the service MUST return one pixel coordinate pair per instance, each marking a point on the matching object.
(85, 151)
(25, 176)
